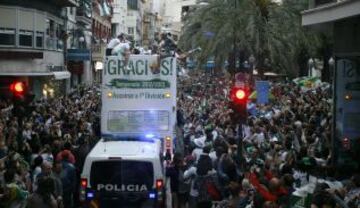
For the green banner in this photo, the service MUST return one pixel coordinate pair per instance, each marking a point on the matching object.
(300, 202)
(139, 84)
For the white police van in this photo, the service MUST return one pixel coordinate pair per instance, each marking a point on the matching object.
(127, 173)
(138, 117)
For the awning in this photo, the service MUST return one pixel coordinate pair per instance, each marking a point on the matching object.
(62, 75)
(78, 55)
(26, 74)
(4, 55)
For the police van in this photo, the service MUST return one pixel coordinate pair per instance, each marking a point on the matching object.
(138, 115)
(127, 173)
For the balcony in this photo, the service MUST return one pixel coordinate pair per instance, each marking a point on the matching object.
(84, 13)
(147, 19)
(98, 51)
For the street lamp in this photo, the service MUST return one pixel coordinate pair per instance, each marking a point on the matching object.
(252, 59)
(252, 64)
(82, 39)
(246, 65)
(267, 64)
(310, 63)
(82, 42)
(332, 68)
(331, 62)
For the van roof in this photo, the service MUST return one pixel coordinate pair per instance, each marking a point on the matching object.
(126, 149)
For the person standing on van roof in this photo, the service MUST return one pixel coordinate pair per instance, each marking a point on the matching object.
(111, 45)
(119, 47)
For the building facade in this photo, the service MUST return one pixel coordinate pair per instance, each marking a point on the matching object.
(101, 27)
(174, 12)
(119, 18)
(134, 21)
(78, 53)
(340, 19)
(150, 18)
(32, 44)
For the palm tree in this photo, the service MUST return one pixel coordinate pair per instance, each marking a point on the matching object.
(212, 27)
(268, 30)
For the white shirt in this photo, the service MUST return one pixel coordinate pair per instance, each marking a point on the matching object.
(246, 130)
(120, 48)
(259, 138)
(196, 153)
(27, 134)
(213, 156)
(215, 134)
(191, 173)
(114, 42)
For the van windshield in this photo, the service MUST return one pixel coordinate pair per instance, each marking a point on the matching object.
(138, 121)
(121, 176)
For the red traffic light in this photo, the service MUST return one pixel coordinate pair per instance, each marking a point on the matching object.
(17, 87)
(239, 95)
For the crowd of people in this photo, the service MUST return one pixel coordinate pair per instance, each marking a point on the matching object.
(43, 146)
(283, 160)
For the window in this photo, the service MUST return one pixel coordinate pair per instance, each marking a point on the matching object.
(59, 43)
(87, 10)
(7, 36)
(351, 121)
(53, 35)
(114, 28)
(132, 4)
(26, 38)
(121, 172)
(39, 39)
(130, 30)
(71, 10)
(50, 34)
(134, 121)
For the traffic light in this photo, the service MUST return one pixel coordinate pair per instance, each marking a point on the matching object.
(239, 97)
(18, 89)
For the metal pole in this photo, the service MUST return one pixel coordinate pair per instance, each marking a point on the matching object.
(240, 142)
(235, 40)
(239, 137)
(333, 139)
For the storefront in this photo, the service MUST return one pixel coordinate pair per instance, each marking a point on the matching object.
(77, 62)
(42, 84)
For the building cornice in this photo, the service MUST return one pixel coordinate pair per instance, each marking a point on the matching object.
(331, 12)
